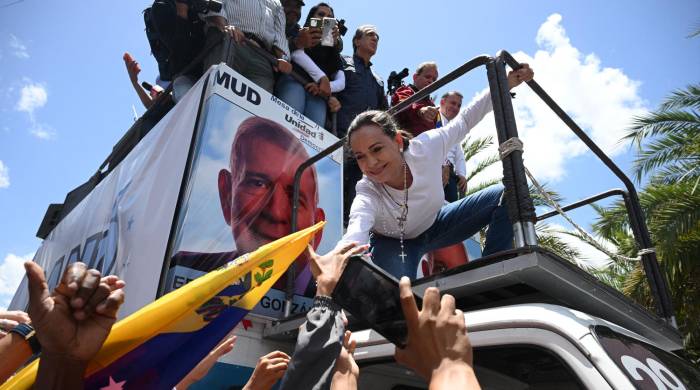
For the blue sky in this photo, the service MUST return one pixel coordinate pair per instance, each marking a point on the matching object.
(65, 98)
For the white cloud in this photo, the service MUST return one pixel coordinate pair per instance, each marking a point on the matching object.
(4, 175)
(32, 96)
(602, 100)
(42, 131)
(11, 273)
(589, 255)
(19, 49)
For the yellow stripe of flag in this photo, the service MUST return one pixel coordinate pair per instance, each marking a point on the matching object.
(176, 311)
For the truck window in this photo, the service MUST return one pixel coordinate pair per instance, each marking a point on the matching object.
(504, 367)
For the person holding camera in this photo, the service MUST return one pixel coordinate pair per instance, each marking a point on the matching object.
(421, 115)
(248, 24)
(321, 61)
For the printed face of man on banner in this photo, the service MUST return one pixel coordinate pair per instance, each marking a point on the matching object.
(256, 191)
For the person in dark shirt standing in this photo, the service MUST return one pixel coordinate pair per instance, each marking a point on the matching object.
(364, 90)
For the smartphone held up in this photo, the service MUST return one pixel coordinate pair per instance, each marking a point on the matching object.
(371, 295)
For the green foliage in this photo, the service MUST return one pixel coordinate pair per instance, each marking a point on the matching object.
(547, 237)
(668, 144)
(668, 140)
(550, 238)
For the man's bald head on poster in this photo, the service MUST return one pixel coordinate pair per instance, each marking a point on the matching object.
(256, 193)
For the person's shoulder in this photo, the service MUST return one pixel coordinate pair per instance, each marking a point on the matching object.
(377, 77)
(348, 63)
(367, 187)
(422, 145)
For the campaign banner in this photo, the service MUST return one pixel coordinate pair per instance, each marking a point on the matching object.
(238, 192)
(122, 226)
(145, 350)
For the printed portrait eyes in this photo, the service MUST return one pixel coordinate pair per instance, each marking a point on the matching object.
(255, 184)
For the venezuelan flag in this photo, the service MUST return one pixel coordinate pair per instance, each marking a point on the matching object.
(155, 347)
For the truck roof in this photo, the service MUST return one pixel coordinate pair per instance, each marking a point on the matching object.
(570, 323)
(535, 275)
(531, 285)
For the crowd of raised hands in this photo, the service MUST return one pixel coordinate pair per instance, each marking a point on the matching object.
(66, 328)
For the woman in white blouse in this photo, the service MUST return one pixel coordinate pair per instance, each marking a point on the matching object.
(399, 207)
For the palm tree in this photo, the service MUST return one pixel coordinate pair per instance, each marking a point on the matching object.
(668, 157)
(547, 236)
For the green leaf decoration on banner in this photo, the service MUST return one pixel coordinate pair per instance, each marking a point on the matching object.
(266, 273)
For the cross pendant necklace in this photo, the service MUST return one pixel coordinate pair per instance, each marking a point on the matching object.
(403, 210)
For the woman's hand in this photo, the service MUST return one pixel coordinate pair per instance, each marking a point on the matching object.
(524, 73)
(327, 269)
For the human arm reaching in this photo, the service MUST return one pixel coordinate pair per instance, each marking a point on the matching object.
(438, 347)
(318, 344)
(72, 322)
(346, 369)
(133, 69)
(454, 132)
(202, 368)
(268, 371)
(14, 349)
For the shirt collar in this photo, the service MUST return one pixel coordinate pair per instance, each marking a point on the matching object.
(361, 61)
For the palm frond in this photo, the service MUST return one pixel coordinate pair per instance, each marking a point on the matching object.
(473, 147)
(663, 122)
(673, 210)
(670, 148)
(679, 171)
(550, 238)
(538, 199)
(471, 189)
(682, 98)
(481, 166)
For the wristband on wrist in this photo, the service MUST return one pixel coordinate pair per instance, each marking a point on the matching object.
(29, 335)
(324, 301)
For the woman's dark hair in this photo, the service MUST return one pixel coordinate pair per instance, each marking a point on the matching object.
(313, 10)
(382, 120)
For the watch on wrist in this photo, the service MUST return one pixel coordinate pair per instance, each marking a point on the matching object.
(29, 334)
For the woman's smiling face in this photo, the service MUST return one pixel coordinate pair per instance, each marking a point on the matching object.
(378, 155)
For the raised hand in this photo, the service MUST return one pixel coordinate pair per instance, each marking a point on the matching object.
(438, 348)
(76, 318)
(327, 269)
(429, 113)
(132, 68)
(524, 73)
(268, 371)
(308, 37)
(203, 367)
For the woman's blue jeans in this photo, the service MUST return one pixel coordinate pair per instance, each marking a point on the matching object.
(293, 93)
(454, 223)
